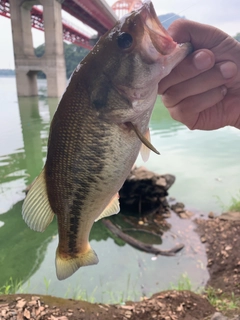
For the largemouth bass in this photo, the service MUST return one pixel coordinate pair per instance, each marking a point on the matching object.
(97, 132)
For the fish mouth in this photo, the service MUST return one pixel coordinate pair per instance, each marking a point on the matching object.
(158, 45)
(160, 38)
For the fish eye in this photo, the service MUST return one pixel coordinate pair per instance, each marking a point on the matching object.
(124, 40)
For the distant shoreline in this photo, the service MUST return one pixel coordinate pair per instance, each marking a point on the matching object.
(7, 75)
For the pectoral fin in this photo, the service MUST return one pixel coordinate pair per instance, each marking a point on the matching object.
(145, 151)
(36, 209)
(144, 140)
(112, 208)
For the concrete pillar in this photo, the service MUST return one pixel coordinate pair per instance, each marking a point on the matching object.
(26, 63)
(55, 69)
(26, 82)
(23, 48)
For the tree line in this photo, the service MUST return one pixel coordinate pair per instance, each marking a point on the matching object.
(72, 53)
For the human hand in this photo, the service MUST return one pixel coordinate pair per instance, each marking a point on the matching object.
(203, 91)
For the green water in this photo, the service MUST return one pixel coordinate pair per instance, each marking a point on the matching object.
(206, 166)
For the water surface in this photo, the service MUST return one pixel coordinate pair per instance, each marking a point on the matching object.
(206, 166)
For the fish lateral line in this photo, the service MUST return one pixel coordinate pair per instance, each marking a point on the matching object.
(142, 138)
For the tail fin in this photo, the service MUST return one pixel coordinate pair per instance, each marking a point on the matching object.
(65, 267)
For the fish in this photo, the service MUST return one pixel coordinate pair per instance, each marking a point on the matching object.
(97, 131)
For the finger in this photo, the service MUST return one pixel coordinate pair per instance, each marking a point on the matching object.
(220, 115)
(188, 110)
(213, 78)
(190, 67)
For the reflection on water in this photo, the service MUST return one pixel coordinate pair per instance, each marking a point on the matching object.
(22, 250)
(205, 165)
(32, 125)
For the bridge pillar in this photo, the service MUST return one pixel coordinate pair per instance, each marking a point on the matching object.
(27, 65)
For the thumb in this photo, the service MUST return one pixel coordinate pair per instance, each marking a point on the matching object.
(200, 35)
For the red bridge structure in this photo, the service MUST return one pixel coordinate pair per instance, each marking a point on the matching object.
(122, 7)
(24, 14)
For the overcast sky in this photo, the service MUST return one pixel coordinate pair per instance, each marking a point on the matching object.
(223, 14)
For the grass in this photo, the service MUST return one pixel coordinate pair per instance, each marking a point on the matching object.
(47, 284)
(234, 205)
(111, 296)
(184, 283)
(216, 298)
(11, 286)
(220, 301)
(121, 296)
(80, 294)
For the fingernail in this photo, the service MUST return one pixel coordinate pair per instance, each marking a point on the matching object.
(224, 90)
(202, 60)
(228, 69)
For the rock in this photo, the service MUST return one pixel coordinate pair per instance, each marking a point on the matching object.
(219, 316)
(185, 214)
(21, 303)
(178, 208)
(27, 314)
(166, 215)
(211, 215)
(35, 298)
(32, 303)
(233, 216)
(203, 239)
(145, 192)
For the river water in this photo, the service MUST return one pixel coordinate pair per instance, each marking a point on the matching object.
(206, 166)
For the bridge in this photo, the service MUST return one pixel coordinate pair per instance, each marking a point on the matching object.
(70, 32)
(23, 13)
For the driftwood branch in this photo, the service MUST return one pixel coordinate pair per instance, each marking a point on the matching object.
(138, 244)
(142, 230)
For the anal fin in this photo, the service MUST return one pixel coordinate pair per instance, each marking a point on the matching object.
(36, 209)
(112, 208)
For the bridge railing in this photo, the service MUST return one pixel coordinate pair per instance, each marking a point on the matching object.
(71, 32)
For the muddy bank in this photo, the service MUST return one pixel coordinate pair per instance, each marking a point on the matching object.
(169, 305)
(222, 240)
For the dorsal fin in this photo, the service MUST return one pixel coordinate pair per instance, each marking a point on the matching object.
(112, 208)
